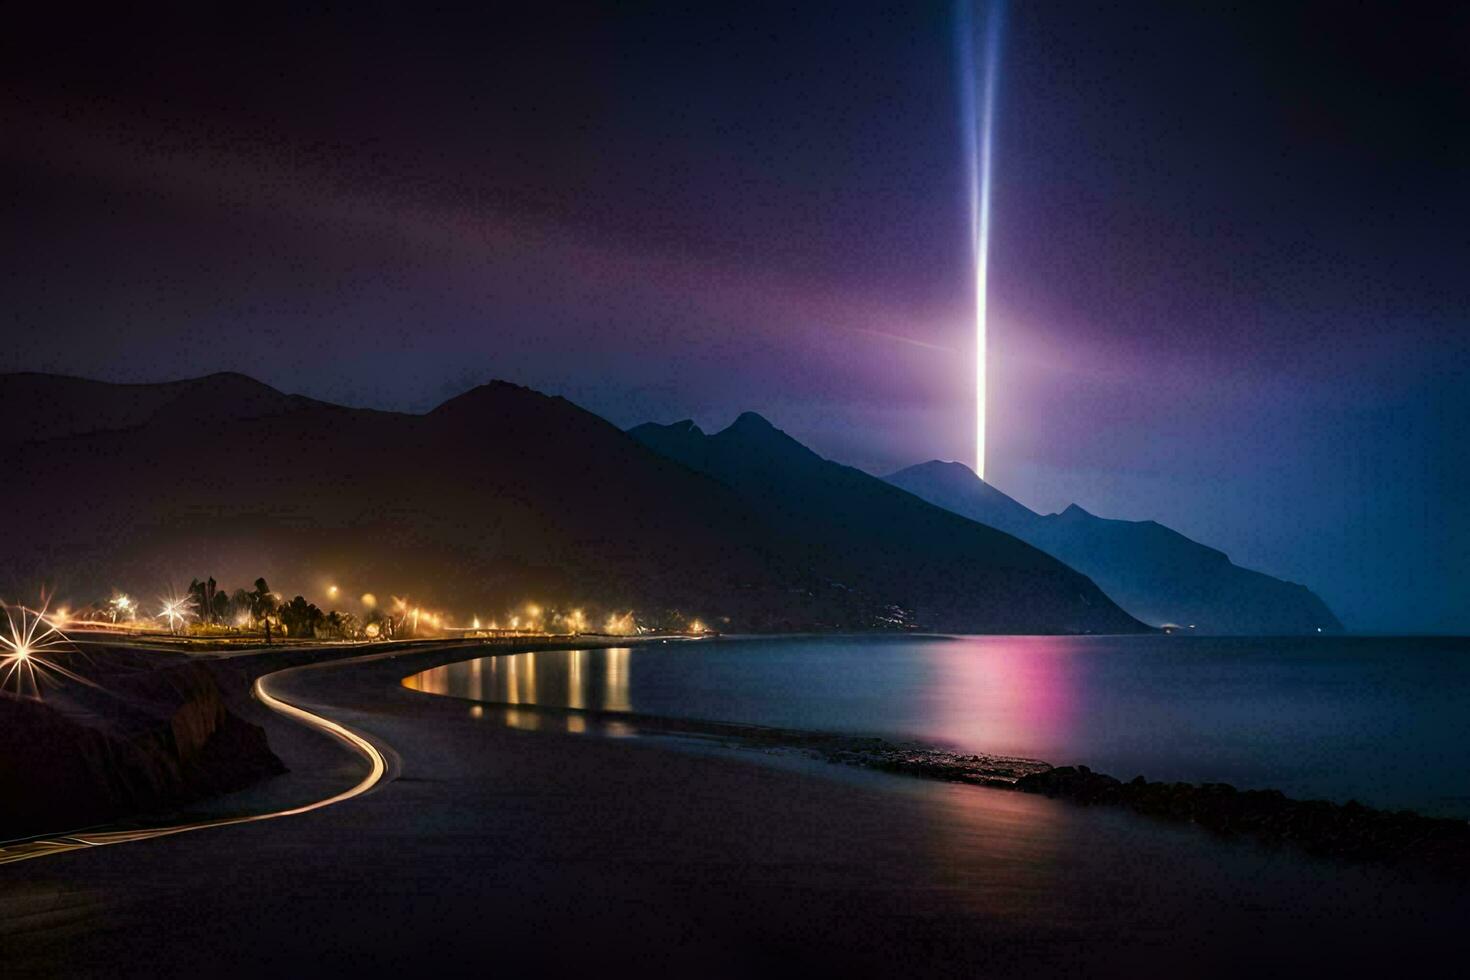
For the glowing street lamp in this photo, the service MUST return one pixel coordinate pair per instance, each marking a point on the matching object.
(121, 605)
(175, 612)
(624, 625)
(26, 643)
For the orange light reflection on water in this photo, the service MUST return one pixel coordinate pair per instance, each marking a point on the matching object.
(617, 696)
(575, 697)
(517, 679)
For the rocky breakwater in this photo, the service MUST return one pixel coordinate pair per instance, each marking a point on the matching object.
(1349, 830)
(142, 731)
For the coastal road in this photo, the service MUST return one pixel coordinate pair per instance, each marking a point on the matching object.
(376, 768)
(489, 847)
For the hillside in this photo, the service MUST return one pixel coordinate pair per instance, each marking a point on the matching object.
(1155, 573)
(946, 572)
(498, 498)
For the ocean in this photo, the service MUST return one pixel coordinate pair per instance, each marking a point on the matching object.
(1385, 721)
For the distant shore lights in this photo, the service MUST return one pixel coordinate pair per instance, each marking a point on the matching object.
(977, 123)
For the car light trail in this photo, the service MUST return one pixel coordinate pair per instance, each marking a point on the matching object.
(378, 767)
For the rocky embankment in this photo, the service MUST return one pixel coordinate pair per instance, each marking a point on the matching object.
(1347, 830)
(1350, 831)
(147, 731)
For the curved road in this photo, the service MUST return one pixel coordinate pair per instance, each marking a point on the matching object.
(377, 767)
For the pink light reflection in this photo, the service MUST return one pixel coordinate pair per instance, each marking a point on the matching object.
(1004, 695)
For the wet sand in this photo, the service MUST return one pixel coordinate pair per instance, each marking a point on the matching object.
(489, 847)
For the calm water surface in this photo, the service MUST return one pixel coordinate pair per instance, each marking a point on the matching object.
(1382, 720)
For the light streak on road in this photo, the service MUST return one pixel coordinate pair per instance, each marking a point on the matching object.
(378, 766)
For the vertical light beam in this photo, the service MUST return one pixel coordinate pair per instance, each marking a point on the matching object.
(977, 124)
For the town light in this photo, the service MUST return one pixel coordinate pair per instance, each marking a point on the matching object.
(26, 641)
(175, 612)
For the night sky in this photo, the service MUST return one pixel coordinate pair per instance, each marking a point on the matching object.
(1230, 271)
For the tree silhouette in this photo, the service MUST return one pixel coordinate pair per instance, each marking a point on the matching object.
(219, 606)
(301, 618)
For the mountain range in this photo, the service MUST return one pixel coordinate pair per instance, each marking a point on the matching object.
(499, 497)
(1157, 574)
(878, 540)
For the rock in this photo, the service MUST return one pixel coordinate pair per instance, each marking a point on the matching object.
(1350, 830)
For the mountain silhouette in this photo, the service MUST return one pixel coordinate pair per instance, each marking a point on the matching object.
(36, 407)
(943, 570)
(1155, 573)
(499, 497)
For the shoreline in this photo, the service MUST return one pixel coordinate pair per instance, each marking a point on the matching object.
(1349, 830)
(255, 666)
(1321, 828)
(587, 853)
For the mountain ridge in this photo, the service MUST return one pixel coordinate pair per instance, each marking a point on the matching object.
(880, 536)
(1153, 571)
(499, 497)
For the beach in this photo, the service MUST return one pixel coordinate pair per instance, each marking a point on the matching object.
(487, 846)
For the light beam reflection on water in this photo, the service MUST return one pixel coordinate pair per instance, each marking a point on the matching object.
(1378, 719)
